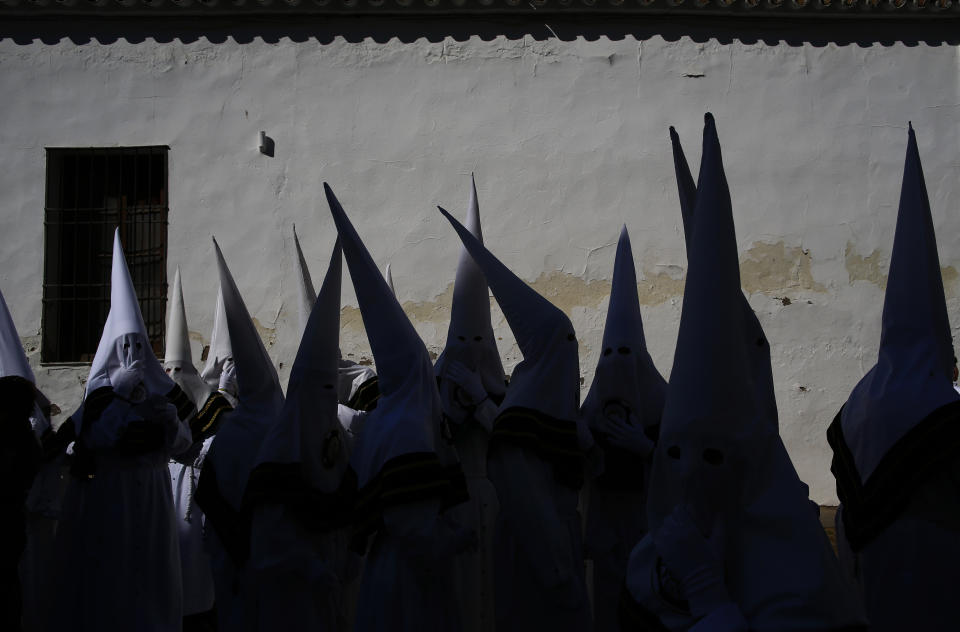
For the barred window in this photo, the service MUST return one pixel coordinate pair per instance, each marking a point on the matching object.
(90, 192)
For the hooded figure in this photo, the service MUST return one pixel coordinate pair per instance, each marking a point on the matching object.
(352, 377)
(471, 380)
(301, 491)
(233, 455)
(219, 372)
(622, 410)
(407, 472)
(734, 544)
(535, 461)
(895, 441)
(117, 544)
(29, 492)
(207, 408)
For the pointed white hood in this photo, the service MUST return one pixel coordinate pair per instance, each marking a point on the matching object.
(548, 378)
(305, 292)
(625, 372)
(124, 341)
(407, 416)
(308, 431)
(13, 361)
(221, 348)
(717, 454)
(470, 337)
(178, 360)
(913, 374)
(260, 397)
(758, 348)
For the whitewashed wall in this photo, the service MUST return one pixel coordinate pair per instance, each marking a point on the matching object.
(568, 140)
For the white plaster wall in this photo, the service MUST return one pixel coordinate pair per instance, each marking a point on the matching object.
(568, 140)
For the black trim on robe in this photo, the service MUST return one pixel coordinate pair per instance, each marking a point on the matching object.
(623, 471)
(84, 460)
(231, 526)
(405, 479)
(869, 508)
(284, 484)
(207, 420)
(366, 396)
(185, 407)
(553, 440)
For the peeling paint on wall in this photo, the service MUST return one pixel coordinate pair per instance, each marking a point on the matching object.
(775, 267)
(860, 268)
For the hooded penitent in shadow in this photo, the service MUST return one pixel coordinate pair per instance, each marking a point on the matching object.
(31, 490)
(351, 377)
(535, 461)
(471, 381)
(407, 472)
(734, 543)
(119, 496)
(895, 441)
(301, 491)
(622, 410)
(233, 455)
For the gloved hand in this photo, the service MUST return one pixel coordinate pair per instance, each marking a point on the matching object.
(629, 436)
(468, 381)
(692, 561)
(125, 381)
(228, 378)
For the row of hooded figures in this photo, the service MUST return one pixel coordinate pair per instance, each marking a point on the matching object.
(437, 496)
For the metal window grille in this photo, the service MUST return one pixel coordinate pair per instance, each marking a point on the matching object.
(90, 192)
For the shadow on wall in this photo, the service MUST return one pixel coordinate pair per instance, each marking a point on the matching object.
(325, 28)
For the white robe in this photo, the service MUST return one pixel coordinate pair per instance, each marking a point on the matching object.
(117, 545)
(198, 594)
(538, 557)
(909, 573)
(298, 574)
(38, 560)
(474, 569)
(407, 586)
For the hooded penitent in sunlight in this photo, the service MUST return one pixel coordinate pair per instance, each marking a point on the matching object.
(733, 543)
(895, 441)
(472, 384)
(208, 407)
(535, 461)
(407, 471)
(117, 544)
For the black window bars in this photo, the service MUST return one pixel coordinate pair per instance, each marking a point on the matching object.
(90, 192)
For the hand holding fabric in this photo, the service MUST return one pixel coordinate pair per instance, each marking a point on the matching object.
(690, 558)
(228, 377)
(125, 381)
(468, 381)
(628, 435)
